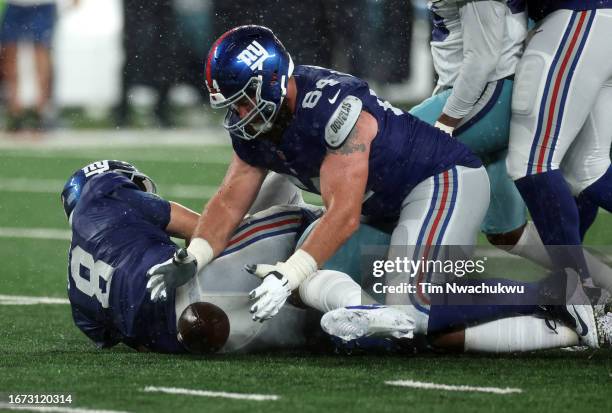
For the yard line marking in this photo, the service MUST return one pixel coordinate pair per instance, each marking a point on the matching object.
(54, 186)
(59, 153)
(208, 393)
(117, 138)
(434, 386)
(35, 233)
(59, 409)
(23, 300)
(189, 191)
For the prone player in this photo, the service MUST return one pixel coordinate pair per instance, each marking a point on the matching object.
(120, 229)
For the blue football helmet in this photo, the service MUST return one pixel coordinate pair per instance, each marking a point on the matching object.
(248, 65)
(74, 186)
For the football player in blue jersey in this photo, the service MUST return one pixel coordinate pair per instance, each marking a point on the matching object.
(332, 135)
(560, 130)
(476, 46)
(120, 229)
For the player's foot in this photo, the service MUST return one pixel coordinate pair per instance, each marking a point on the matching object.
(351, 323)
(581, 319)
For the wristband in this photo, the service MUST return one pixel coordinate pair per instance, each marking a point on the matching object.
(445, 128)
(301, 265)
(202, 251)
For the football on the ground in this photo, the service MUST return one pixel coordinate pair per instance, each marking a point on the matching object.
(203, 328)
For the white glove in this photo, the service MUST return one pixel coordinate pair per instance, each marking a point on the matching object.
(279, 281)
(270, 295)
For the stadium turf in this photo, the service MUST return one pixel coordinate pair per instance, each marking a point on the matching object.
(42, 352)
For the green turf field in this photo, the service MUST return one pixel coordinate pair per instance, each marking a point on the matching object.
(42, 352)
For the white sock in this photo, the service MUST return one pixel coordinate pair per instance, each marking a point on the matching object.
(327, 290)
(524, 333)
(530, 246)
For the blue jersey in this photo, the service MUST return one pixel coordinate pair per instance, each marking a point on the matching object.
(404, 152)
(118, 233)
(538, 9)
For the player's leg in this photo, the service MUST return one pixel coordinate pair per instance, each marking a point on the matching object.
(327, 290)
(587, 211)
(586, 166)
(430, 109)
(349, 311)
(486, 128)
(444, 210)
(508, 335)
(9, 72)
(587, 170)
(506, 224)
(558, 80)
(10, 33)
(506, 217)
(42, 25)
(276, 190)
(522, 333)
(485, 131)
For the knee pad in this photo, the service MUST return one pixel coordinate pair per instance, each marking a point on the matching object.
(516, 165)
(529, 75)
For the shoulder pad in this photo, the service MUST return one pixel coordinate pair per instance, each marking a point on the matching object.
(342, 121)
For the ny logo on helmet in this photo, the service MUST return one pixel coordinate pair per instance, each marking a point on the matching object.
(254, 55)
(96, 168)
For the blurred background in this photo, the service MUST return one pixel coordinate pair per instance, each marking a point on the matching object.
(92, 64)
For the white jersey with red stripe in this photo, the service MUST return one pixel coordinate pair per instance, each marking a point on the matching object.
(562, 83)
(265, 237)
(451, 20)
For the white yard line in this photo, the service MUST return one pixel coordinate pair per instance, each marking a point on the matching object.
(35, 233)
(207, 393)
(447, 387)
(186, 158)
(134, 138)
(188, 191)
(58, 409)
(23, 300)
(54, 186)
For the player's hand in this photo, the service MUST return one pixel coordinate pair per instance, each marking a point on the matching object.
(170, 274)
(271, 295)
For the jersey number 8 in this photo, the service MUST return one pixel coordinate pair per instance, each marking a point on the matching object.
(98, 270)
